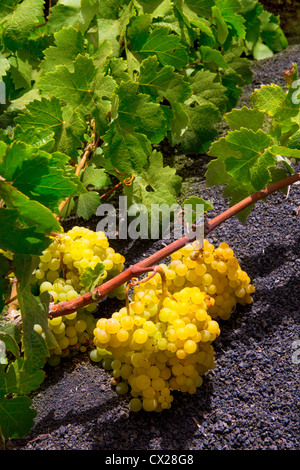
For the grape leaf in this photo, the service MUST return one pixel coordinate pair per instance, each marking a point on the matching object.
(34, 310)
(282, 107)
(229, 10)
(137, 31)
(222, 29)
(237, 74)
(19, 104)
(201, 7)
(21, 22)
(30, 213)
(4, 65)
(11, 336)
(127, 151)
(249, 148)
(237, 191)
(72, 87)
(96, 177)
(195, 202)
(205, 85)
(7, 8)
(136, 111)
(113, 29)
(216, 173)
(86, 204)
(244, 158)
(43, 114)
(261, 51)
(18, 238)
(269, 99)
(250, 118)
(204, 108)
(19, 382)
(179, 123)
(271, 33)
(86, 90)
(201, 131)
(68, 44)
(162, 82)
(136, 122)
(294, 141)
(195, 22)
(21, 72)
(17, 416)
(90, 277)
(212, 57)
(102, 56)
(167, 47)
(103, 89)
(155, 184)
(76, 13)
(285, 151)
(39, 176)
(38, 138)
(48, 115)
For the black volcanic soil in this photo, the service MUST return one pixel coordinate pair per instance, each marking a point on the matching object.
(250, 401)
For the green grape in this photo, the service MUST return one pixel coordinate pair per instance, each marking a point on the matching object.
(106, 363)
(112, 326)
(126, 371)
(59, 329)
(73, 340)
(142, 382)
(80, 326)
(95, 356)
(135, 404)
(55, 321)
(64, 343)
(71, 316)
(122, 388)
(46, 286)
(54, 360)
(149, 404)
(140, 336)
(71, 331)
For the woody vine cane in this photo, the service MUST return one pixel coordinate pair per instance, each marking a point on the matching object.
(101, 291)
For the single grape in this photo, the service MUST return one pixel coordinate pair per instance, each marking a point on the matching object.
(135, 404)
(122, 388)
(54, 360)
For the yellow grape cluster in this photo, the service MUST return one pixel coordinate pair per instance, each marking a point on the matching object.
(65, 260)
(61, 267)
(216, 271)
(161, 341)
(73, 333)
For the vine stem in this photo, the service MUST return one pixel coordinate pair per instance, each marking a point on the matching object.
(91, 147)
(101, 291)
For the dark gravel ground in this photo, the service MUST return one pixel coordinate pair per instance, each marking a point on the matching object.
(250, 401)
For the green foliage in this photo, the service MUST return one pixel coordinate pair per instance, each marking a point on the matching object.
(23, 374)
(90, 278)
(259, 147)
(141, 72)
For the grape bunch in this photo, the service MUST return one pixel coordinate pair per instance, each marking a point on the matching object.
(73, 333)
(67, 258)
(216, 271)
(162, 340)
(61, 271)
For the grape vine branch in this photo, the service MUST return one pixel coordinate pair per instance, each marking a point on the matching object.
(64, 308)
